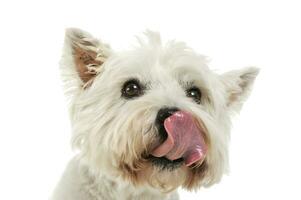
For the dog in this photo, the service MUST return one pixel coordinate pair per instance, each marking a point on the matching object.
(146, 121)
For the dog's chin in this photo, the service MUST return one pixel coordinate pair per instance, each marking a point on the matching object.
(168, 175)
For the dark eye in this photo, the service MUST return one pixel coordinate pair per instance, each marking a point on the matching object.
(131, 89)
(195, 94)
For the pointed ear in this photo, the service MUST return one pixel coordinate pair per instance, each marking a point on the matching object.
(238, 85)
(82, 58)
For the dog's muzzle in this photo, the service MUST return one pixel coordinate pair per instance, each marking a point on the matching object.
(182, 138)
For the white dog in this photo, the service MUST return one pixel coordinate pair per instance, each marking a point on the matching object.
(146, 121)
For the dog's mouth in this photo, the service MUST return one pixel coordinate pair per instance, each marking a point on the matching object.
(183, 142)
(164, 163)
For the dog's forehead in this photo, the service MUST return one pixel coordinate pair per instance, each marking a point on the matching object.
(163, 64)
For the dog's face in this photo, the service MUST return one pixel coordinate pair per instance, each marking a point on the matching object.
(154, 115)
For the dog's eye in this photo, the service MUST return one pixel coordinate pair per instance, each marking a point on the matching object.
(195, 94)
(131, 89)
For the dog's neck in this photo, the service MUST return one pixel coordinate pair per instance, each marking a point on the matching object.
(82, 185)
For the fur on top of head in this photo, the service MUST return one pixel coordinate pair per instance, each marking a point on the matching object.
(115, 134)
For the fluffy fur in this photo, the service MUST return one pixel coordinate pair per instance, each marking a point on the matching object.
(114, 135)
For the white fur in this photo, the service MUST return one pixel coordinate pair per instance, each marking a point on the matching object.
(108, 128)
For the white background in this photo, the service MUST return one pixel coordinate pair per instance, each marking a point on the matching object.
(266, 138)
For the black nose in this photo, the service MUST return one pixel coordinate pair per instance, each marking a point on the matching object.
(164, 113)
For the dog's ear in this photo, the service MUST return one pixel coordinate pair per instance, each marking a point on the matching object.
(238, 85)
(83, 57)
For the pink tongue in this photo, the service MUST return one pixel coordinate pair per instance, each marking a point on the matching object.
(185, 139)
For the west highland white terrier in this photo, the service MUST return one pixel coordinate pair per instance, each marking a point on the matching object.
(146, 121)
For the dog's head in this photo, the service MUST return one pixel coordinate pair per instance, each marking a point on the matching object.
(153, 115)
